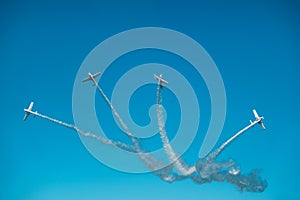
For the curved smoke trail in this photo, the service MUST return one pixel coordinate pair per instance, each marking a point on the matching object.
(147, 158)
(89, 135)
(181, 166)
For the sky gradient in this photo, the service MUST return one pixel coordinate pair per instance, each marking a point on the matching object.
(255, 45)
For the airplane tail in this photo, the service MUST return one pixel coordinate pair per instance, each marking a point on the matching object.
(28, 111)
(259, 119)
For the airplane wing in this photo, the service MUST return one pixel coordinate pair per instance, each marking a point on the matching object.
(255, 114)
(259, 119)
(91, 76)
(262, 125)
(86, 79)
(28, 110)
(97, 74)
(26, 116)
(164, 81)
(160, 79)
(156, 77)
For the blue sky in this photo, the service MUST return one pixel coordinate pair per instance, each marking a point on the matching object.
(255, 45)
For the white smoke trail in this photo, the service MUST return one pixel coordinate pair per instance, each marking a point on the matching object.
(181, 166)
(146, 158)
(214, 170)
(214, 154)
(211, 169)
(90, 135)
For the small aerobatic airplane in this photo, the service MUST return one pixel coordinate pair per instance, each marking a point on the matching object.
(258, 119)
(91, 77)
(28, 111)
(160, 80)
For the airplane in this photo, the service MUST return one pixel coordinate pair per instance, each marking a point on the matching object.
(160, 80)
(91, 76)
(258, 119)
(28, 111)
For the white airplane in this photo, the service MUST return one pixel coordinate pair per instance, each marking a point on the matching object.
(160, 80)
(258, 119)
(91, 77)
(28, 111)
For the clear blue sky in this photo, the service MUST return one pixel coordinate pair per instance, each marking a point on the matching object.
(255, 45)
